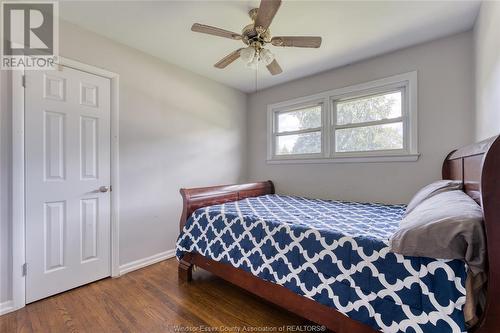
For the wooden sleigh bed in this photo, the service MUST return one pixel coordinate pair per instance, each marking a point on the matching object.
(476, 165)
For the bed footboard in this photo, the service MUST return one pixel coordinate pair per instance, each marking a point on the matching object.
(194, 198)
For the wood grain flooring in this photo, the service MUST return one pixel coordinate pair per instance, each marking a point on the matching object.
(151, 300)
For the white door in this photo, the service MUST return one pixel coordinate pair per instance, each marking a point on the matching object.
(67, 147)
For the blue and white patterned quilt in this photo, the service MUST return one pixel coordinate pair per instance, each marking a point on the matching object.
(335, 253)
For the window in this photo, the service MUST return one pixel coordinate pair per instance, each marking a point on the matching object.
(375, 121)
(298, 132)
(369, 123)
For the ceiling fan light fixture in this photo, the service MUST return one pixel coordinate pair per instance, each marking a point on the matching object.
(266, 56)
(248, 54)
(254, 64)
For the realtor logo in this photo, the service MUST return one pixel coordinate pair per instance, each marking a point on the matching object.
(29, 35)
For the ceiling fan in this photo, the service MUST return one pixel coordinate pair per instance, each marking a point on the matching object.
(256, 35)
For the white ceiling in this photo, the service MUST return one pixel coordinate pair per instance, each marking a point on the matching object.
(351, 31)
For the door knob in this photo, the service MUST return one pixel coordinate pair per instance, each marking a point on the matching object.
(104, 189)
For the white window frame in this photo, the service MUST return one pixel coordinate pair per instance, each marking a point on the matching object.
(406, 82)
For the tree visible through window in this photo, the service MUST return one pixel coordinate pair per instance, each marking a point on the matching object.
(299, 131)
(369, 123)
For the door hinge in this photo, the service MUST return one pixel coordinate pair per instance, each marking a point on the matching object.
(23, 81)
(25, 269)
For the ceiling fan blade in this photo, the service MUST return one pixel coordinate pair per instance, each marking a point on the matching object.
(224, 62)
(206, 29)
(274, 68)
(265, 14)
(296, 41)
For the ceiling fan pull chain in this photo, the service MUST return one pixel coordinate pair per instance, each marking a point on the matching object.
(256, 70)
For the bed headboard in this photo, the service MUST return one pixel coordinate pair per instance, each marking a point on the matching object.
(478, 167)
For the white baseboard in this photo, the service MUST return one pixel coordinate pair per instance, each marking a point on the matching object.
(6, 307)
(132, 266)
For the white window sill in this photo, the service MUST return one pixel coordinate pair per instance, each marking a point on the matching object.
(346, 159)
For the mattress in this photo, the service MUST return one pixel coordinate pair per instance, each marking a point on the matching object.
(335, 253)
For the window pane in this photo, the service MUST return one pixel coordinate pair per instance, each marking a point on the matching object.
(304, 143)
(378, 137)
(369, 108)
(300, 119)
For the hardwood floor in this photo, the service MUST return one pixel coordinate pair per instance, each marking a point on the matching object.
(150, 300)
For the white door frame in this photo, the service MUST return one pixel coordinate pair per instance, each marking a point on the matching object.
(18, 177)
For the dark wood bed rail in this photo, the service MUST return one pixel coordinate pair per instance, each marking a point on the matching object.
(476, 165)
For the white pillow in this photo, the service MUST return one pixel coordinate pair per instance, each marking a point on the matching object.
(432, 189)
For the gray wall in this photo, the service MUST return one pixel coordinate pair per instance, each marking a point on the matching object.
(177, 129)
(487, 46)
(445, 111)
